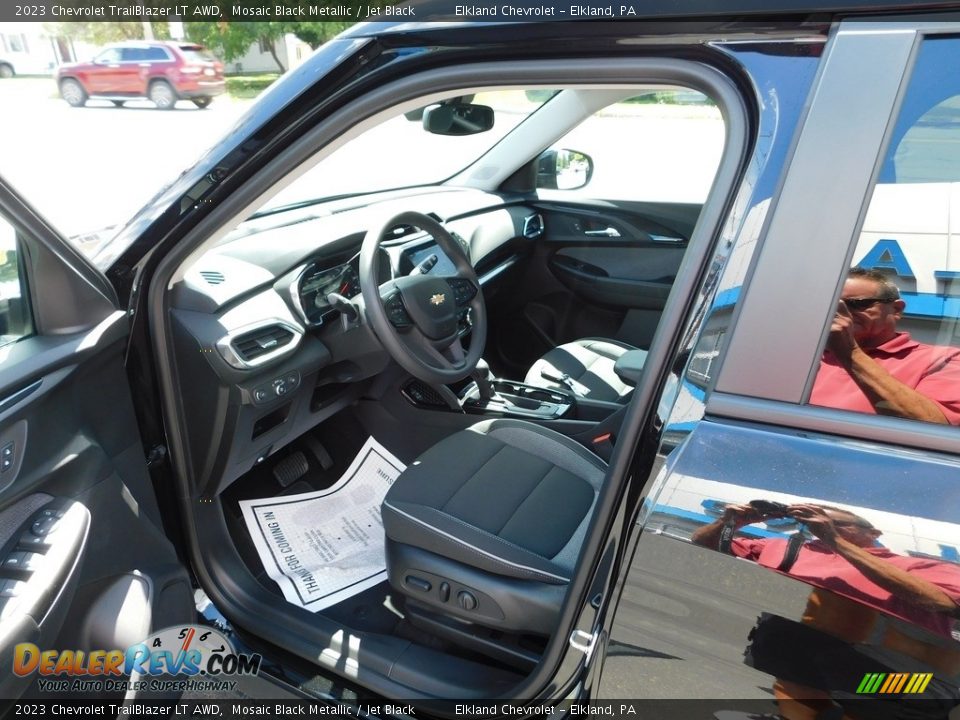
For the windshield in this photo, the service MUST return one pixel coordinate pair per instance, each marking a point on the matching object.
(400, 153)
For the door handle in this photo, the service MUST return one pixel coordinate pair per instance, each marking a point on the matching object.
(606, 232)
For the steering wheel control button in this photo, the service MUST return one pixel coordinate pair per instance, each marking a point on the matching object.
(418, 583)
(463, 290)
(466, 600)
(396, 312)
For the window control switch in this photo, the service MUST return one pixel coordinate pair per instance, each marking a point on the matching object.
(22, 560)
(12, 588)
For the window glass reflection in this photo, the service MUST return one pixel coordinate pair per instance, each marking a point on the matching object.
(891, 347)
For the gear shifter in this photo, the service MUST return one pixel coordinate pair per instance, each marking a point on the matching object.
(484, 379)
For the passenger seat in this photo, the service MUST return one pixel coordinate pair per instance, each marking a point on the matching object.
(586, 368)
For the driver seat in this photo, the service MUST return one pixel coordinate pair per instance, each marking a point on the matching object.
(486, 526)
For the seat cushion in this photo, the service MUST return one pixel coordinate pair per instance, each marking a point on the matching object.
(504, 496)
(589, 364)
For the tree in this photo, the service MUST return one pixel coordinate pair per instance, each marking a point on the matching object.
(101, 33)
(231, 40)
(228, 40)
(316, 34)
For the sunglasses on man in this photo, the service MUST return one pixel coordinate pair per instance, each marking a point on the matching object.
(864, 303)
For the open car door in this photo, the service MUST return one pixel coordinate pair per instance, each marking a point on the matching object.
(84, 561)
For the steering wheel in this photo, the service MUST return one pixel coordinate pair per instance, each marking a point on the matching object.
(417, 317)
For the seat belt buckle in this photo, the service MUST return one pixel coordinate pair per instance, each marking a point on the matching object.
(561, 379)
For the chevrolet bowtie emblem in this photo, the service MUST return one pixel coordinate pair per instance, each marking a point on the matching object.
(438, 299)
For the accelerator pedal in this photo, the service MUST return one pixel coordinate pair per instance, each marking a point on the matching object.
(319, 452)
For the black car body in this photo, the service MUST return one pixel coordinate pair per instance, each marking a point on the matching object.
(730, 297)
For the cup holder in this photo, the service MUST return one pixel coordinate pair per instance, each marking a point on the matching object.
(529, 400)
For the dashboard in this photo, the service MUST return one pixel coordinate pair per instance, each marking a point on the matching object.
(278, 354)
(281, 282)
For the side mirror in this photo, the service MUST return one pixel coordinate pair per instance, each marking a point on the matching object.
(457, 119)
(563, 170)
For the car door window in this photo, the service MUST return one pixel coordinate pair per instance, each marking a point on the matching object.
(109, 56)
(133, 54)
(659, 146)
(15, 317)
(155, 54)
(893, 346)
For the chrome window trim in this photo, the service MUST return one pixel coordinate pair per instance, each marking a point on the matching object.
(860, 426)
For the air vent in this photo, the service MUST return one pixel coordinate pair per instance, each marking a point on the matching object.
(213, 277)
(262, 341)
(533, 226)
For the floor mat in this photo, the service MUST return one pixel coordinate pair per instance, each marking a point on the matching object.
(325, 546)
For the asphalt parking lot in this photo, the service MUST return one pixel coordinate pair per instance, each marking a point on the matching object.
(86, 168)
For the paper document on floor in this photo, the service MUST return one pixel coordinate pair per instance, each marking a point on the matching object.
(323, 547)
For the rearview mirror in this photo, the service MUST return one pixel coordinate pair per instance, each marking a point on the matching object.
(563, 170)
(457, 119)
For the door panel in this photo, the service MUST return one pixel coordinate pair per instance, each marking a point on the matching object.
(84, 560)
(600, 269)
(629, 277)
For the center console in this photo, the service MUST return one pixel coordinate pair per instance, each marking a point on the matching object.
(516, 399)
(489, 395)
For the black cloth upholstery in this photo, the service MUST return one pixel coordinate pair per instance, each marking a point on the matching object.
(589, 363)
(504, 496)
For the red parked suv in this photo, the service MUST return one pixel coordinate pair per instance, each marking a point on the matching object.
(164, 72)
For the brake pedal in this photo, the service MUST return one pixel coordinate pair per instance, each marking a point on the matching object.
(291, 468)
(319, 452)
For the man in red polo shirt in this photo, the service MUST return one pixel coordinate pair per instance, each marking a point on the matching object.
(869, 367)
(857, 586)
(844, 557)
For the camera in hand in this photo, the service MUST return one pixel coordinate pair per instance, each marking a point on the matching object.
(769, 508)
